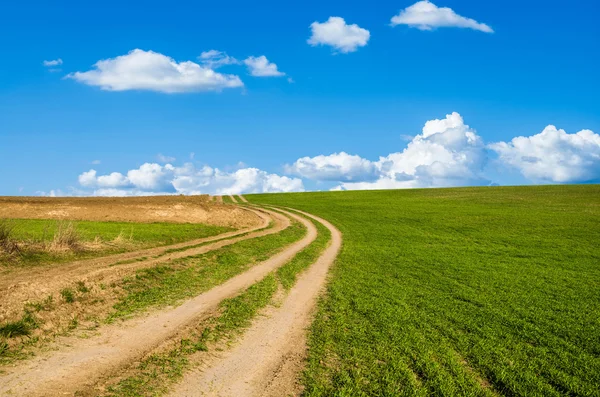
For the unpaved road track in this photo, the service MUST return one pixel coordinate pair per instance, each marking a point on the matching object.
(219, 199)
(36, 284)
(83, 363)
(233, 199)
(270, 355)
(242, 198)
(23, 275)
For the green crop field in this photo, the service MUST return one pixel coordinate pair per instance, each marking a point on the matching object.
(458, 292)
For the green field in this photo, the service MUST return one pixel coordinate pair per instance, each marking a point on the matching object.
(470, 292)
(32, 234)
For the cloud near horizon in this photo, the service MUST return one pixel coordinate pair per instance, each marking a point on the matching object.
(553, 156)
(152, 178)
(425, 15)
(446, 153)
(152, 71)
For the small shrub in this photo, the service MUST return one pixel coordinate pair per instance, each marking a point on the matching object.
(68, 295)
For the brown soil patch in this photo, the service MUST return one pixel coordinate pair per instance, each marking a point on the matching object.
(177, 209)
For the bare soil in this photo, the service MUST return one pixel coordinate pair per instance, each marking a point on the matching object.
(177, 209)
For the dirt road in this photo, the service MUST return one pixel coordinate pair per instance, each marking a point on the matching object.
(233, 199)
(270, 355)
(79, 364)
(34, 284)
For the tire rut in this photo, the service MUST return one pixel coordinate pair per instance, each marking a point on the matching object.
(83, 363)
(271, 354)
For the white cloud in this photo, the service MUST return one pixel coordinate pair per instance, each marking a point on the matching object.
(165, 159)
(115, 179)
(96, 162)
(54, 62)
(447, 153)
(261, 67)
(153, 178)
(337, 34)
(335, 167)
(148, 70)
(554, 156)
(215, 59)
(425, 15)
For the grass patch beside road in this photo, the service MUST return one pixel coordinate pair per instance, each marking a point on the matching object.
(473, 291)
(42, 241)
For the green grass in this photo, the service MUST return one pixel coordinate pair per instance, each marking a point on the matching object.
(157, 372)
(474, 292)
(33, 232)
(187, 277)
(227, 200)
(149, 233)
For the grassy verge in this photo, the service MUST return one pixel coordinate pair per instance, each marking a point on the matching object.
(156, 373)
(227, 200)
(474, 291)
(36, 239)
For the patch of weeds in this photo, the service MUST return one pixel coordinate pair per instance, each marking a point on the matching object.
(15, 328)
(82, 288)
(68, 295)
(45, 305)
(73, 324)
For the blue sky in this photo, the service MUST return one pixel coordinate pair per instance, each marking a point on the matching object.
(537, 68)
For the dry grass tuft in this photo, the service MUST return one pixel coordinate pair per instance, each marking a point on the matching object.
(66, 237)
(8, 245)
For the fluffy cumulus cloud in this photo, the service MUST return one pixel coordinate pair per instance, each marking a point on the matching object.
(152, 178)
(425, 15)
(152, 71)
(554, 156)
(336, 33)
(447, 153)
(335, 167)
(261, 67)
